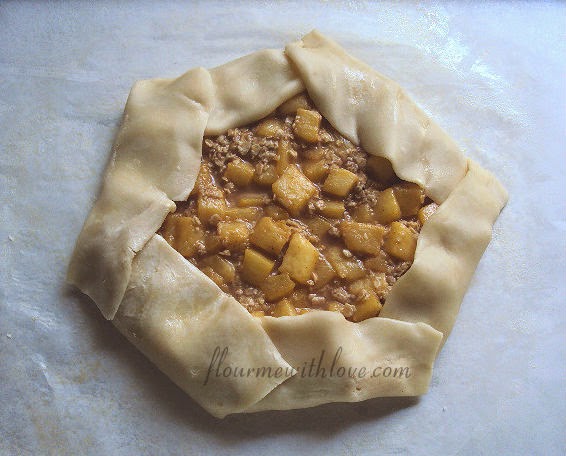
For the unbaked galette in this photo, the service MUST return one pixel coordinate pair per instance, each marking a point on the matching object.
(285, 230)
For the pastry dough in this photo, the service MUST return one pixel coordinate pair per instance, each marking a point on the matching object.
(183, 322)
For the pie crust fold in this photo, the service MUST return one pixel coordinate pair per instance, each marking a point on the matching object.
(179, 318)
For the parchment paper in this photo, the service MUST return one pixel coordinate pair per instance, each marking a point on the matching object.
(491, 74)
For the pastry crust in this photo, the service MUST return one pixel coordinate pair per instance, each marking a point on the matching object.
(180, 319)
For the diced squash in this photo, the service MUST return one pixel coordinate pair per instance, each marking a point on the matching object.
(270, 235)
(349, 268)
(255, 267)
(363, 213)
(379, 263)
(339, 182)
(252, 199)
(361, 286)
(258, 313)
(410, 198)
(249, 214)
(187, 234)
(293, 190)
(303, 310)
(426, 211)
(381, 170)
(400, 242)
(270, 128)
(332, 209)
(234, 235)
(204, 181)
(362, 237)
(299, 297)
(284, 308)
(239, 172)
(276, 212)
(277, 286)
(221, 266)
(207, 207)
(265, 174)
(315, 153)
(387, 209)
(315, 170)
(216, 278)
(374, 283)
(300, 259)
(284, 155)
(168, 229)
(290, 106)
(367, 308)
(212, 243)
(335, 306)
(307, 124)
(379, 283)
(324, 273)
(318, 225)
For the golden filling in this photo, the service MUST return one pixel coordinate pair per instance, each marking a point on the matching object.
(288, 216)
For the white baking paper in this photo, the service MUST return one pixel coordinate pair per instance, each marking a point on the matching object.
(491, 74)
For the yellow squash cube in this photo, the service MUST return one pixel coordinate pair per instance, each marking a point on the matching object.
(234, 235)
(284, 308)
(362, 237)
(212, 243)
(239, 172)
(285, 154)
(258, 313)
(426, 211)
(276, 212)
(400, 242)
(367, 308)
(208, 207)
(361, 286)
(290, 106)
(324, 273)
(216, 278)
(252, 199)
(299, 298)
(332, 209)
(387, 208)
(318, 226)
(339, 182)
(255, 267)
(344, 309)
(265, 174)
(381, 170)
(204, 180)
(315, 170)
(270, 128)
(364, 213)
(379, 263)
(187, 234)
(249, 214)
(293, 190)
(380, 285)
(221, 266)
(270, 235)
(300, 259)
(307, 124)
(347, 267)
(277, 286)
(168, 229)
(315, 153)
(410, 198)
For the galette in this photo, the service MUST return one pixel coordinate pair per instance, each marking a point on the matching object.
(285, 230)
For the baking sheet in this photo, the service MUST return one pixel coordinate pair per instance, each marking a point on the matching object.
(491, 74)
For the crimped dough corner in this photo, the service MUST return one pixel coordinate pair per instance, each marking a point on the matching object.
(202, 338)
